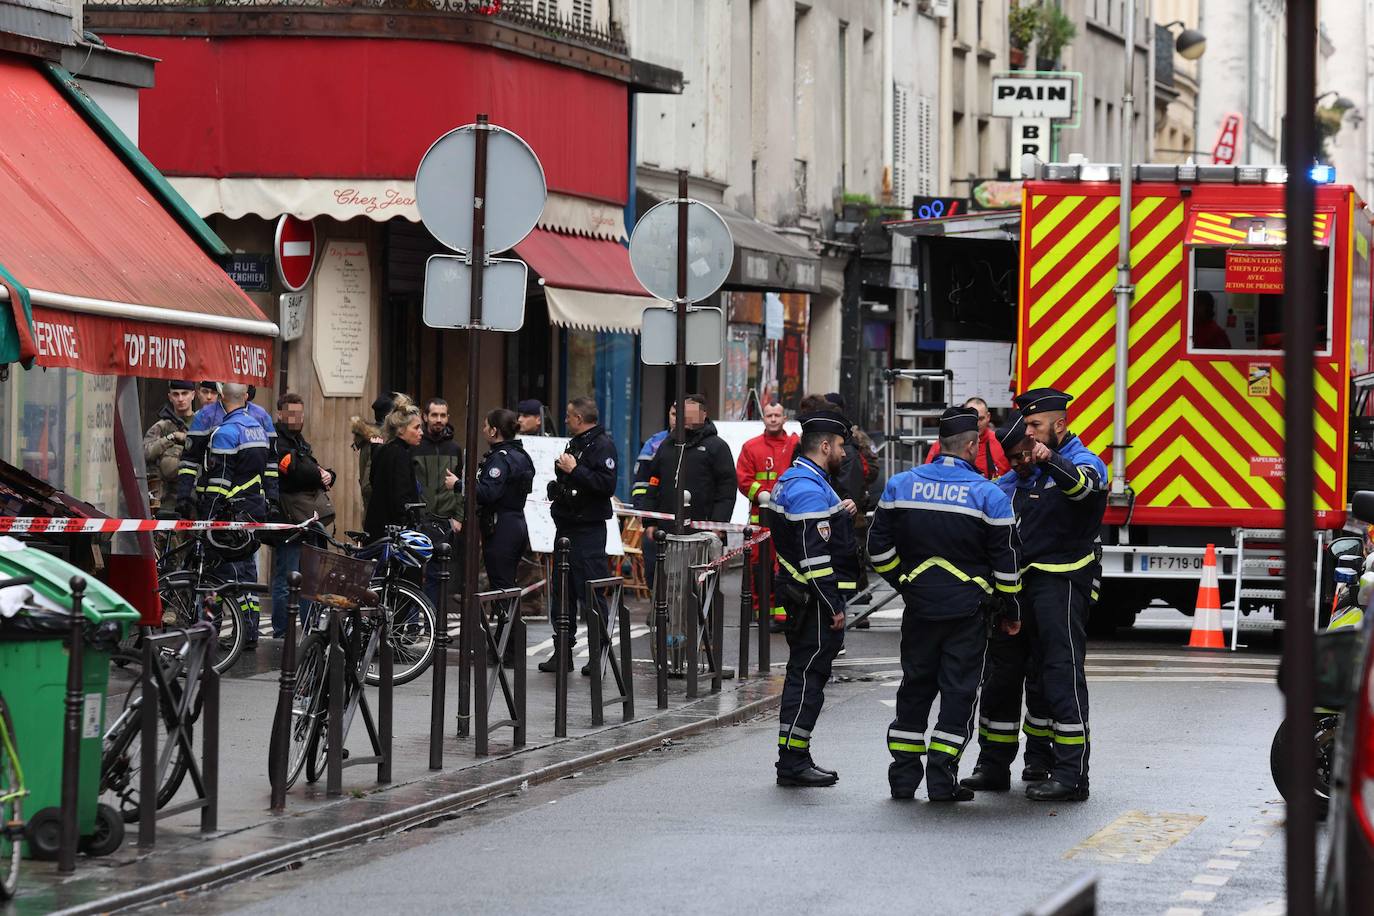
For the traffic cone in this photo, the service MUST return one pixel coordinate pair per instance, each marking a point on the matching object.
(1207, 614)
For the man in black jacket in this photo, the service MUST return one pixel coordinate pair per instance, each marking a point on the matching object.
(704, 464)
(304, 488)
(584, 481)
(438, 467)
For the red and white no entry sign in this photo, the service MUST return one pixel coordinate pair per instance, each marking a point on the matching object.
(295, 250)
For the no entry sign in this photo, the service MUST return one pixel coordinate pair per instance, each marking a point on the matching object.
(295, 251)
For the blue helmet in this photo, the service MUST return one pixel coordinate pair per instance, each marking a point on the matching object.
(418, 543)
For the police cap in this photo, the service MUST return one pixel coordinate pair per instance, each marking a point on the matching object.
(182, 385)
(830, 421)
(529, 408)
(1042, 400)
(958, 420)
(1013, 434)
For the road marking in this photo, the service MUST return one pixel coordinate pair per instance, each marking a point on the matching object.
(1247, 844)
(1211, 880)
(1238, 853)
(1232, 659)
(1184, 680)
(1225, 864)
(1198, 896)
(1175, 669)
(1136, 837)
(1183, 911)
(1272, 908)
(540, 648)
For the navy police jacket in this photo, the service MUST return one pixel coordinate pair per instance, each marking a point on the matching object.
(585, 495)
(193, 456)
(504, 478)
(235, 468)
(813, 536)
(1060, 507)
(945, 537)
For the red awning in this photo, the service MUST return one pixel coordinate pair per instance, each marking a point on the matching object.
(117, 286)
(588, 283)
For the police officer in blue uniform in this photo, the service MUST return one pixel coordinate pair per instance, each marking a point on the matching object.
(232, 486)
(945, 537)
(203, 424)
(1065, 497)
(1008, 666)
(818, 555)
(504, 480)
(584, 481)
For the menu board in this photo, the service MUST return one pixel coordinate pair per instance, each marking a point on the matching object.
(343, 318)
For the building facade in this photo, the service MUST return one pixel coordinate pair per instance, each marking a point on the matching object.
(1243, 73)
(1097, 52)
(1174, 134)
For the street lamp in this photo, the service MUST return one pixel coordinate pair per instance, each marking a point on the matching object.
(1339, 103)
(1190, 44)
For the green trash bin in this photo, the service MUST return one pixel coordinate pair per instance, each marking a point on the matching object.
(33, 680)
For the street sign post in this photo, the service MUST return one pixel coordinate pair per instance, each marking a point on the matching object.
(294, 250)
(477, 211)
(705, 336)
(681, 251)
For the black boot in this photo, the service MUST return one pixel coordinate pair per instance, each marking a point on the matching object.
(1034, 773)
(987, 779)
(959, 794)
(550, 664)
(1053, 791)
(810, 778)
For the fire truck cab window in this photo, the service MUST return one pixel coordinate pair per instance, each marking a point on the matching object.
(1224, 316)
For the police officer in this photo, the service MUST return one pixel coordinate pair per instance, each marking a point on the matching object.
(504, 480)
(203, 424)
(1060, 538)
(584, 480)
(944, 536)
(232, 486)
(814, 537)
(1008, 666)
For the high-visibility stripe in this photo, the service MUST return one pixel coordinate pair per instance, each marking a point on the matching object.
(1009, 589)
(889, 565)
(945, 748)
(947, 566)
(1063, 567)
(799, 744)
(1070, 739)
(1003, 726)
(753, 491)
(798, 730)
(912, 736)
(907, 747)
(1035, 731)
(847, 586)
(998, 737)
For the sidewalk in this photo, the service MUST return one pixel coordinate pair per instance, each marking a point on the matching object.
(252, 840)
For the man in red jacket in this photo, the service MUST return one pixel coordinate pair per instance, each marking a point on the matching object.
(991, 460)
(761, 462)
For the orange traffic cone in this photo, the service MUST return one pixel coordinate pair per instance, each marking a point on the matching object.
(1207, 615)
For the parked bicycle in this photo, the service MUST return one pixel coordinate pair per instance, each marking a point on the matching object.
(12, 794)
(196, 593)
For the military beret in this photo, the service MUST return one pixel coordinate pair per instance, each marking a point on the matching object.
(1013, 434)
(958, 420)
(830, 421)
(1042, 400)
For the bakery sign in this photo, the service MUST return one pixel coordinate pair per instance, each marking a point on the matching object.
(1250, 270)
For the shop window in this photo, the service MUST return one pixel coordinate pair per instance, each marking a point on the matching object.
(1234, 315)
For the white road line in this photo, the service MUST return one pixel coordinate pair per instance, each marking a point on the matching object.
(1211, 880)
(1247, 844)
(547, 645)
(1182, 669)
(1186, 680)
(1198, 896)
(1190, 659)
(1223, 864)
(1183, 911)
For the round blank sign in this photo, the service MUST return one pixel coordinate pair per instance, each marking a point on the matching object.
(653, 250)
(515, 188)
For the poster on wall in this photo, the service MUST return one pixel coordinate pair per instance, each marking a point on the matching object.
(736, 377)
(343, 318)
(982, 369)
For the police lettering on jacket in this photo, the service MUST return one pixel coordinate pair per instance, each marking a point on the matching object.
(198, 439)
(1060, 507)
(232, 481)
(945, 537)
(584, 494)
(814, 536)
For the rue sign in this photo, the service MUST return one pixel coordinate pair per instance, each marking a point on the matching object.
(1032, 97)
(295, 252)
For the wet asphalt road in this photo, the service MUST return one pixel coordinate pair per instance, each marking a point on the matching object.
(1183, 818)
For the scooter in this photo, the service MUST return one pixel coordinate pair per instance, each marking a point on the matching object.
(1354, 587)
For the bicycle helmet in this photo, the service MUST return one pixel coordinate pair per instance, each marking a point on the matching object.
(418, 544)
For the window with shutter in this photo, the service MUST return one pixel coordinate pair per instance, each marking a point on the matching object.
(901, 125)
(925, 146)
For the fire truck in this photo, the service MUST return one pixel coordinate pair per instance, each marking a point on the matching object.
(1202, 431)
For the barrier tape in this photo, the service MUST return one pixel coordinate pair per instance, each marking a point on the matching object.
(531, 589)
(41, 524)
(666, 517)
(729, 555)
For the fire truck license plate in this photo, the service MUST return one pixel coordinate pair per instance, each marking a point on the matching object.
(1169, 563)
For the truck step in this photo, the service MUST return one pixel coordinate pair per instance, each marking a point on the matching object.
(1263, 563)
(1267, 594)
(1263, 624)
(1262, 534)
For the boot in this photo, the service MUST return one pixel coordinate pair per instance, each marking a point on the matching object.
(987, 779)
(810, 778)
(960, 794)
(1033, 773)
(550, 664)
(1053, 791)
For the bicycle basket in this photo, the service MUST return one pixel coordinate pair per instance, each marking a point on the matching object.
(334, 579)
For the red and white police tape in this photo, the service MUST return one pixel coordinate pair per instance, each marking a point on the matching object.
(665, 516)
(42, 524)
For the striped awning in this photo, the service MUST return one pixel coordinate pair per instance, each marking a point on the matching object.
(1236, 227)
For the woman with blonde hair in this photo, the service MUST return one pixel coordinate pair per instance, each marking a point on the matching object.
(392, 470)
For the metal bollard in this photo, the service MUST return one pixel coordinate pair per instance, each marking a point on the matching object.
(334, 727)
(286, 692)
(384, 695)
(481, 696)
(746, 600)
(147, 752)
(593, 618)
(661, 615)
(627, 709)
(765, 607)
(561, 638)
(71, 732)
(439, 683)
(517, 634)
(209, 735)
(716, 621)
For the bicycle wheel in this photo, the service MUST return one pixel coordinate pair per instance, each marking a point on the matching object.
(412, 635)
(11, 807)
(120, 762)
(182, 608)
(307, 705)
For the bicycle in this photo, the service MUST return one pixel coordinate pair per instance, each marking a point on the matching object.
(12, 794)
(193, 594)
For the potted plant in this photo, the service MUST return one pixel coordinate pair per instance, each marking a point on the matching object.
(1053, 33)
(1022, 19)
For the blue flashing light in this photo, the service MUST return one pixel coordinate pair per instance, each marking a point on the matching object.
(1322, 174)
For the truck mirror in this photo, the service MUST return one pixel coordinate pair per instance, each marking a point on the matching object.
(1362, 506)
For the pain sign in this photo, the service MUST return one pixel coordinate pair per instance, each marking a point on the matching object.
(1032, 97)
